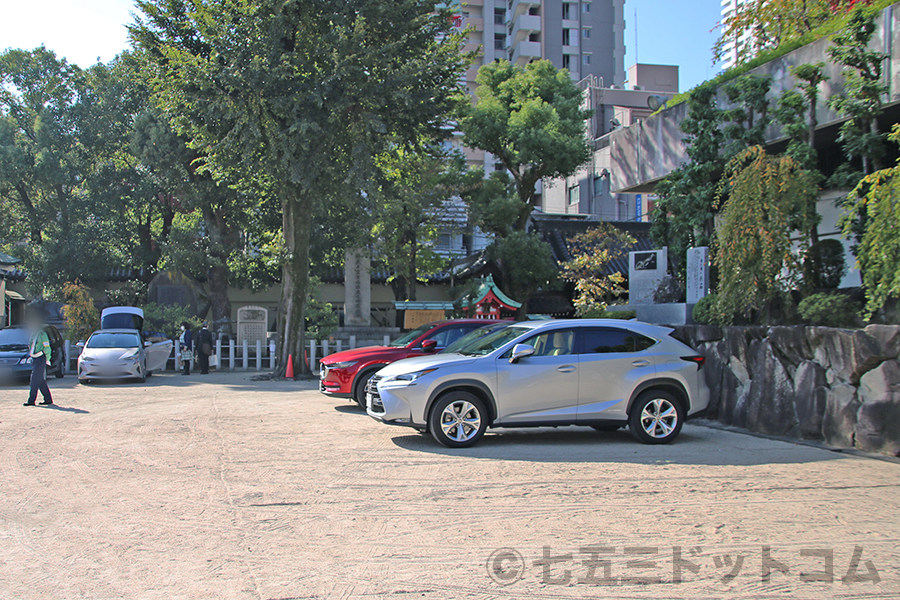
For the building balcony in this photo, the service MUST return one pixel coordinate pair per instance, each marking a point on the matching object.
(521, 7)
(526, 52)
(524, 26)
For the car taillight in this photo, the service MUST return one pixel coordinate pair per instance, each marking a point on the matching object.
(696, 359)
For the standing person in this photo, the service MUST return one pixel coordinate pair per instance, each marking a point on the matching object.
(186, 341)
(205, 349)
(39, 350)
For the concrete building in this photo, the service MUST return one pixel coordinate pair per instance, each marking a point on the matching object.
(588, 192)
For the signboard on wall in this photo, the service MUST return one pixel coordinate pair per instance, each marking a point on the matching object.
(417, 318)
(638, 207)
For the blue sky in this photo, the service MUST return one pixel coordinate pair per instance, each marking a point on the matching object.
(669, 31)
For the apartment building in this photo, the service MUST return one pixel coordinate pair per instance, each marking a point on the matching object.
(729, 59)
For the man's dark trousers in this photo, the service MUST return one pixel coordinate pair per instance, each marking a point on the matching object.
(39, 381)
(203, 359)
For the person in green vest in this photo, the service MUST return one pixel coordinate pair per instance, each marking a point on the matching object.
(39, 349)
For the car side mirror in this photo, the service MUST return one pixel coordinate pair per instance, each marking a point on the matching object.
(519, 352)
(429, 345)
(148, 344)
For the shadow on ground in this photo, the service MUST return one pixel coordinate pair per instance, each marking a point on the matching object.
(695, 446)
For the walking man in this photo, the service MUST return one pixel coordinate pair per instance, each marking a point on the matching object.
(39, 350)
(205, 348)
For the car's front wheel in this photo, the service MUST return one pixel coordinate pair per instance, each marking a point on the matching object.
(656, 417)
(359, 386)
(458, 419)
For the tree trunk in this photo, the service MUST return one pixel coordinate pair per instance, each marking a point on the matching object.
(297, 219)
(411, 266)
(217, 278)
(811, 139)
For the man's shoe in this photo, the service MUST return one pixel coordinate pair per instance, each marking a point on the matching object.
(46, 403)
(28, 404)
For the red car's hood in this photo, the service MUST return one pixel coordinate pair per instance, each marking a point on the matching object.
(364, 353)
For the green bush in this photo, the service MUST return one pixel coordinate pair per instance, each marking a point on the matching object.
(829, 310)
(624, 315)
(704, 311)
(825, 265)
(167, 318)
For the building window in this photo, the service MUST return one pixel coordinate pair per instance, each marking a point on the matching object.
(566, 10)
(499, 16)
(598, 186)
(586, 59)
(574, 195)
(567, 37)
(498, 166)
(586, 7)
(567, 61)
(587, 33)
(499, 41)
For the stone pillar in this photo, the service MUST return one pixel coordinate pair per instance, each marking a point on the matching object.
(697, 284)
(646, 268)
(357, 289)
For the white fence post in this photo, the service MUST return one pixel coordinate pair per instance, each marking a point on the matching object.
(68, 346)
(387, 340)
(339, 343)
(312, 355)
(245, 356)
(325, 351)
(272, 355)
(219, 355)
(258, 355)
(231, 354)
(176, 348)
(352, 342)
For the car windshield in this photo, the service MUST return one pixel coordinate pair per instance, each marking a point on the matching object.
(471, 337)
(13, 340)
(114, 340)
(488, 344)
(406, 338)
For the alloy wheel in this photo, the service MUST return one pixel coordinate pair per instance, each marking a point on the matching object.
(659, 418)
(461, 421)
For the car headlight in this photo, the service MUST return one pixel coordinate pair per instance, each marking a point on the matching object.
(86, 356)
(342, 365)
(131, 354)
(26, 360)
(410, 377)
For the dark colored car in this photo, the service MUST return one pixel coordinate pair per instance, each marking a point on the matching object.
(15, 361)
(344, 374)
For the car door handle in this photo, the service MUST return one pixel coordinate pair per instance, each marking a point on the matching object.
(566, 368)
(641, 363)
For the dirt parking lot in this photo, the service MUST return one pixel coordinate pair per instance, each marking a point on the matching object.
(224, 488)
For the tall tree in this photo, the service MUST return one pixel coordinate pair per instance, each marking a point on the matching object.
(764, 199)
(299, 96)
(593, 252)
(412, 207)
(864, 88)
(878, 254)
(532, 120)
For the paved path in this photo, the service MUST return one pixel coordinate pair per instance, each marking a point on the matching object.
(224, 488)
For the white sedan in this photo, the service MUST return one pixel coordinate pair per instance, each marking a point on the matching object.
(121, 354)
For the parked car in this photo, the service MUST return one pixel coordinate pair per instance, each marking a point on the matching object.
(475, 335)
(599, 372)
(121, 354)
(15, 359)
(344, 374)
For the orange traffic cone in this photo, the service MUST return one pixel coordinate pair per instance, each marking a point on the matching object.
(290, 368)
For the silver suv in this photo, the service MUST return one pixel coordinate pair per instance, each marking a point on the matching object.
(597, 372)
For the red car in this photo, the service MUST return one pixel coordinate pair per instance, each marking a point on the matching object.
(344, 374)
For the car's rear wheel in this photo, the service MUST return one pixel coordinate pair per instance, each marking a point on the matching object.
(458, 419)
(359, 386)
(656, 417)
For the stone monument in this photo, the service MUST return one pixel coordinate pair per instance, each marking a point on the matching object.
(646, 268)
(357, 289)
(697, 284)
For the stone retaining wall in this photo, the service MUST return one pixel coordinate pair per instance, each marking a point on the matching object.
(838, 386)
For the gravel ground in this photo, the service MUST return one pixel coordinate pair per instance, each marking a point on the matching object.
(219, 487)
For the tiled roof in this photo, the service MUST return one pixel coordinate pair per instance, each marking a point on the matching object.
(558, 232)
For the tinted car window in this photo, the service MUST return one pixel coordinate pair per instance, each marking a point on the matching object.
(448, 335)
(13, 340)
(114, 340)
(406, 338)
(553, 343)
(473, 336)
(605, 341)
